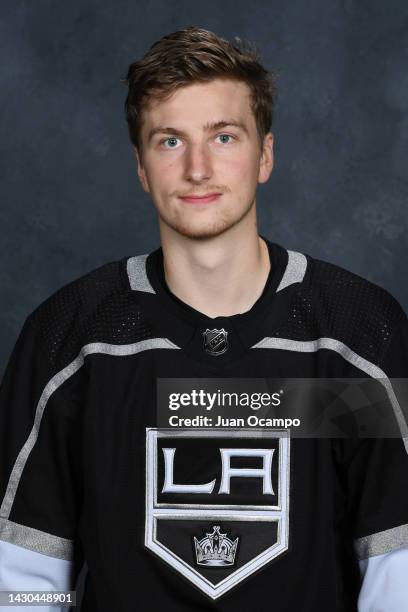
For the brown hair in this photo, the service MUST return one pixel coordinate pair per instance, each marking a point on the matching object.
(196, 55)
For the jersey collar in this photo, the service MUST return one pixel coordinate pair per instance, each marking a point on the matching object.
(192, 330)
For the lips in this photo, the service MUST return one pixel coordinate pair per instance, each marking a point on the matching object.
(193, 199)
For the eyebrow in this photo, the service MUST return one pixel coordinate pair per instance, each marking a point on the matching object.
(208, 127)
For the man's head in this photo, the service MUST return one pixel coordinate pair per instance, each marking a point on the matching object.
(199, 111)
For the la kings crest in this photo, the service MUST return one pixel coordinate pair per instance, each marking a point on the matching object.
(217, 502)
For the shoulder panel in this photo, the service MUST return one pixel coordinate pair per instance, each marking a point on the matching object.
(333, 302)
(97, 307)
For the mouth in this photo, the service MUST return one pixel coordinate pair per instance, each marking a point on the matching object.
(208, 197)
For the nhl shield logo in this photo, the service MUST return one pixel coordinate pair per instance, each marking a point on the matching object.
(218, 519)
(215, 341)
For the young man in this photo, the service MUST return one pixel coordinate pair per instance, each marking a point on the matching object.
(195, 517)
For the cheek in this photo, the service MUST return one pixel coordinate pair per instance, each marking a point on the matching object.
(239, 170)
(162, 176)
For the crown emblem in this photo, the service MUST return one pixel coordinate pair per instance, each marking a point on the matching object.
(215, 341)
(215, 549)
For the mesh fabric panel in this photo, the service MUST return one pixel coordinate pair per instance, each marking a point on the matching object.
(333, 302)
(98, 307)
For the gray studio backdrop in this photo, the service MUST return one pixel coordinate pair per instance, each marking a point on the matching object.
(70, 194)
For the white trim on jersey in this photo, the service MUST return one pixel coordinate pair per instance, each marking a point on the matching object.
(22, 569)
(384, 582)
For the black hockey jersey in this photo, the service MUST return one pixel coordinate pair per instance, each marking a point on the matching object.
(170, 518)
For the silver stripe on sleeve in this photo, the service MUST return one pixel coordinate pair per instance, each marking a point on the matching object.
(295, 270)
(136, 269)
(381, 542)
(311, 346)
(39, 541)
(8, 529)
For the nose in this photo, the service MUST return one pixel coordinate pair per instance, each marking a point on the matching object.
(198, 165)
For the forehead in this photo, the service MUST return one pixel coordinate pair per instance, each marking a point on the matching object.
(195, 104)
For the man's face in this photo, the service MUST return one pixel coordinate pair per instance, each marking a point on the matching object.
(192, 148)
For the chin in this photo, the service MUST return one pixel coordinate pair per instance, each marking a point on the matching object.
(202, 229)
(200, 233)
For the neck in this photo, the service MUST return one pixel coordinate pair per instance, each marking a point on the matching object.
(221, 276)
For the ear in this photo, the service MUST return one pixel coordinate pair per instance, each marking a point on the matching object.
(266, 161)
(141, 171)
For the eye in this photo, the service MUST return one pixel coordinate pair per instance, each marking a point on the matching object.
(172, 140)
(224, 136)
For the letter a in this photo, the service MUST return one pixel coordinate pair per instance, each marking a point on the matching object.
(228, 472)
